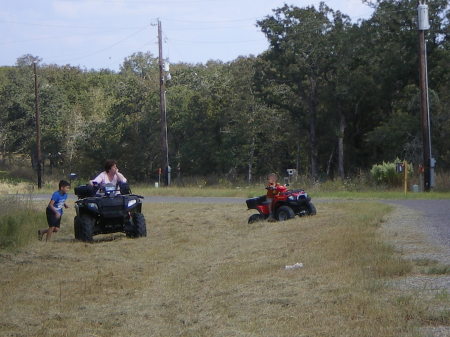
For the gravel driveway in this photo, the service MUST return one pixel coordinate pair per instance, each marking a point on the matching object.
(435, 217)
(419, 229)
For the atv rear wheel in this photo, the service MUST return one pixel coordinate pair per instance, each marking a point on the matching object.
(285, 213)
(83, 227)
(255, 218)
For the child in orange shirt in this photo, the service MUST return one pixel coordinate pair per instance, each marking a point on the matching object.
(272, 191)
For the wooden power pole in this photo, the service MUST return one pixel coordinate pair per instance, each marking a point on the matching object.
(163, 116)
(38, 129)
(423, 25)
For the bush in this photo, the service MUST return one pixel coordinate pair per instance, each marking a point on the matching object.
(386, 173)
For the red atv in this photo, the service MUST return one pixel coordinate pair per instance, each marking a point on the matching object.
(285, 205)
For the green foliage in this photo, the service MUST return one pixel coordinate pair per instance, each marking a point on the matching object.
(386, 173)
(328, 96)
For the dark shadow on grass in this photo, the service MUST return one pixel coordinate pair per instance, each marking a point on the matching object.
(98, 239)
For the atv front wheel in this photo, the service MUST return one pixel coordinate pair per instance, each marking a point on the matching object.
(139, 225)
(83, 227)
(255, 218)
(136, 226)
(311, 209)
(285, 213)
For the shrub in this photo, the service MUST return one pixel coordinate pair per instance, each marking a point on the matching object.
(386, 173)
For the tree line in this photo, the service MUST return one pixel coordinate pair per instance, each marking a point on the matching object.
(329, 97)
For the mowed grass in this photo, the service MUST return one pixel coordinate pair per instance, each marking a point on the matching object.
(203, 271)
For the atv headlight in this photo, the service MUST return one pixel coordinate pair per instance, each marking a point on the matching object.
(302, 196)
(131, 203)
(291, 197)
(92, 205)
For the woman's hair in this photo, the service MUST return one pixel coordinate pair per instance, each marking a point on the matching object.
(109, 163)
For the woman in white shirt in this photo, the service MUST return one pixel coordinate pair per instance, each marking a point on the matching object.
(110, 175)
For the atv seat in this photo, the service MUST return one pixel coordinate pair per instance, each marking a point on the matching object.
(253, 202)
(85, 191)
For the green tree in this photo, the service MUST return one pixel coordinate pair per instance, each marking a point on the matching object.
(299, 62)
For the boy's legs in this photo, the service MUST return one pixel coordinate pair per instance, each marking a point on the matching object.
(53, 225)
(49, 231)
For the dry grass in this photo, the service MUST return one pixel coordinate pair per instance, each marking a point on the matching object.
(203, 271)
(9, 187)
(19, 221)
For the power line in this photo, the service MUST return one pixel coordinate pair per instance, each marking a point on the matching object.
(50, 37)
(214, 42)
(110, 46)
(210, 21)
(52, 25)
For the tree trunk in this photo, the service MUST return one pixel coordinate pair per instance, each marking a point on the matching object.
(329, 163)
(250, 159)
(342, 126)
(312, 107)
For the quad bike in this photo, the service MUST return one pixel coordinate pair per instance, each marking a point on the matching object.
(108, 209)
(285, 205)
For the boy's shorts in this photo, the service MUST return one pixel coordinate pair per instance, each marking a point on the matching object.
(52, 220)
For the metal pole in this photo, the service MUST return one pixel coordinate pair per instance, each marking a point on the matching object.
(38, 128)
(162, 110)
(405, 176)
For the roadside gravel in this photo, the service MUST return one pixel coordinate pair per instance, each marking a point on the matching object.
(419, 231)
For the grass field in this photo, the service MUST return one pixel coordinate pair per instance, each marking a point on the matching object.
(203, 271)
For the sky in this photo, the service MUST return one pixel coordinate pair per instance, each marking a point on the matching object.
(100, 34)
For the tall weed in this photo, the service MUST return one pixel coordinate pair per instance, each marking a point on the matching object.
(19, 221)
(442, 181)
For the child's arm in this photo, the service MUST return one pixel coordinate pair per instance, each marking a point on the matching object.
(52, 207)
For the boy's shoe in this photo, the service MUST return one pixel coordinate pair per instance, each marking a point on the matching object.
(271, 219)
(40, 235)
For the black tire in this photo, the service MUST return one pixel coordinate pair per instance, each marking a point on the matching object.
(140, 225)
(76, 227)
(311, 209)
(136, 227)
(285, 213)
(83, 227)
(255, 218)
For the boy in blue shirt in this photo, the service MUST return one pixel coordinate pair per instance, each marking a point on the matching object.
(54, 210)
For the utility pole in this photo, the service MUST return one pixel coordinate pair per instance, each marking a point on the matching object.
(38, 128)
(424, 25)
(162, 108)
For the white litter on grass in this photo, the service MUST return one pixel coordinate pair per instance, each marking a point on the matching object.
(294, 266)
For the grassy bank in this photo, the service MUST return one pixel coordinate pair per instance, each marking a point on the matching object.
(203, 271)
(19, 221)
